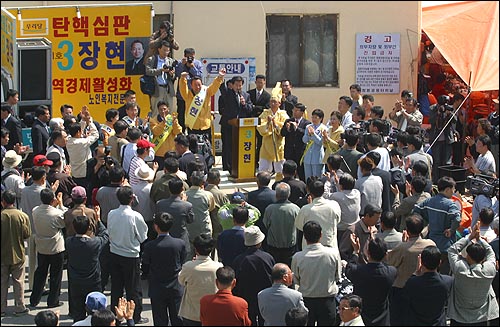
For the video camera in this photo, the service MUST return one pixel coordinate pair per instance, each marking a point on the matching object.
(483, 184)
(169, 27)
(444, 103)
(107, 158)
(171, 67)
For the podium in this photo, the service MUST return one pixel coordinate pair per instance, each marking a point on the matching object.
(243, 151)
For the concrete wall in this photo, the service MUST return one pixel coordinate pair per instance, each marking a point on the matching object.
(238, 29)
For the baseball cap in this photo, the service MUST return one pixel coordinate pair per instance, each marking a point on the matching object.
(237, 197)
(41, 160)
(145, 144)
(78, 192)
(96, 301)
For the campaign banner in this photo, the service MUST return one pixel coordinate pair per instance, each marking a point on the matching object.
(91, 52)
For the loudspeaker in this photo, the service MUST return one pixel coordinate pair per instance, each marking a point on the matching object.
(34, 69)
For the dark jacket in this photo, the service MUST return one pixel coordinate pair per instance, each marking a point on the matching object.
(39, 137)
(261, 104)
(162, 260)
(386, 191)
(232, 109)
(372, 282)
(425, 299)
(253, 274)
(182, 211)
(16, 132)
(294, 146)
(83, 256)
(230, 244)
(289, 103)
(298, 188)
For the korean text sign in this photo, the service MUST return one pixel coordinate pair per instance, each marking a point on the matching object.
(90, 53)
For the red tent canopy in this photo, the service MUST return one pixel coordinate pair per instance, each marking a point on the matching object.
(466, 34)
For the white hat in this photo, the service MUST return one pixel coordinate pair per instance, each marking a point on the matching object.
(253, 236)
(11, 159)
(145, 173)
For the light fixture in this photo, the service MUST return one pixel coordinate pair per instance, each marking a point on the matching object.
(19, 17)
(152, 11)
(78, 15)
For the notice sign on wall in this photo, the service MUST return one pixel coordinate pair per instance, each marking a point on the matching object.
(377, 62)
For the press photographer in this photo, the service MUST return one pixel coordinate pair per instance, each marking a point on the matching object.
(442, 130)
(165, 33)
(98, 167)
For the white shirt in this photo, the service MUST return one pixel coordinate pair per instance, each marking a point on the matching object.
(79, 151)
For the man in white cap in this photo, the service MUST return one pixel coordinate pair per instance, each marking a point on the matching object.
(253, 272)
(12, 179)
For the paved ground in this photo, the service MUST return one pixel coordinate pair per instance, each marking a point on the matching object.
(28, 319)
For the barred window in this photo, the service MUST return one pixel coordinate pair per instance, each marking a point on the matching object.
(302, 49)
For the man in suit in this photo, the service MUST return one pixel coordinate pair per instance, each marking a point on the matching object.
(372, 282)
(261, 100)
(253, 271)
(288, 100)
(180, 209)
(262, 197)
(13, 125)
(40, 130)
(160, 65)
(132, 118)
(135, 66)
(223, 308)
(128, 96)
(162, 261)
(275, 301)
(293, 131)
(182, 149)
(404, 258)
(426, 292)
(237, 104)
(298, 188)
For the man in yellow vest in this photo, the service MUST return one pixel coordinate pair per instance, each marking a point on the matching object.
(165, 128)
(198, 105)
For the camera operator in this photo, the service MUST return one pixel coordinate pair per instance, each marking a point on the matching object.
(406, 113)
(482, 201)
(440, 114)
(162, 67)
(194, 68)
(98, 167)
(374, 143)
(165, 33)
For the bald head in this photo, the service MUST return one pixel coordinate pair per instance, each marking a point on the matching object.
(281, 273)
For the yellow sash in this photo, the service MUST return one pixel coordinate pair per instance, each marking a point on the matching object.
(195, 107)
(309, 144)
(160, 139)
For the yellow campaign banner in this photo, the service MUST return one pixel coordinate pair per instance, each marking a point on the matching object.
(8, 43)
(92, 56)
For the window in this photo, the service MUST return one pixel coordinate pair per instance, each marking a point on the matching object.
(302, 49)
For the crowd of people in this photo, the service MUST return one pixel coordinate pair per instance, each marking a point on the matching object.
(361, 227)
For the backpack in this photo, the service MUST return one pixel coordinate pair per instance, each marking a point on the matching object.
(147, 84)
(4, 177)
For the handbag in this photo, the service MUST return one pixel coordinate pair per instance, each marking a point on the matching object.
(147, 84)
